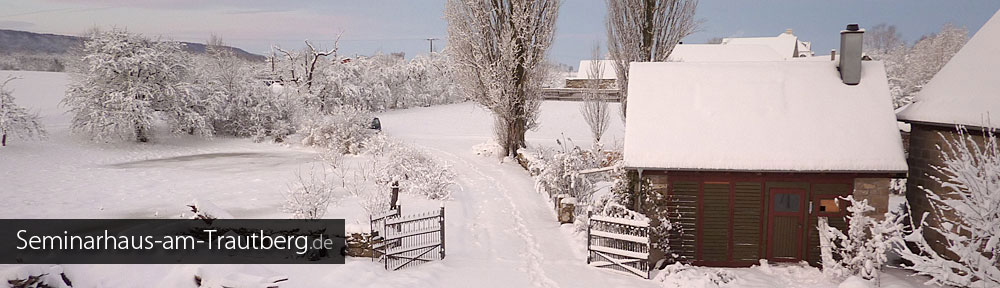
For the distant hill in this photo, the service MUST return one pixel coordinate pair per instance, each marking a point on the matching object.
(29, 43)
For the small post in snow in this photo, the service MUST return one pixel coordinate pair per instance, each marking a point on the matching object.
(441, 222)
(395, 195)
(589, 214)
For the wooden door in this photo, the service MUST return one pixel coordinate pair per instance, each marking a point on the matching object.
(786, 217)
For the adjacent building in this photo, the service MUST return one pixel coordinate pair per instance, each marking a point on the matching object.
(785, 46)
(750, 154)
(965, 92)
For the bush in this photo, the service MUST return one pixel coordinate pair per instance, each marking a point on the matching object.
(310, 196)
(239, 103)
(416, 172)
(344, 130)
(862, 251)
(558, 171)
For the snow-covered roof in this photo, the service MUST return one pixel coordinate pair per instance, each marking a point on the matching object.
(723, 53)
(695, 53)
(805, 49)
(760, 116)
(966, 90)
(784, 44)
(608, 71)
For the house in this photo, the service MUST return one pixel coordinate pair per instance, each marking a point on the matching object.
(782, 47)
(965, 92)
(749, 154)
(786, 44)
(607, 75)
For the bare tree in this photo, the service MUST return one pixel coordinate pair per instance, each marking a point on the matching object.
(595, 105)
(881, 39)
(646, 31)
(499, 49)
(309, 58)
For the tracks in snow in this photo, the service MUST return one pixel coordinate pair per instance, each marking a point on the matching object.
(533, 256)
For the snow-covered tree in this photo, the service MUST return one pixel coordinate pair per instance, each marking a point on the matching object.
(884, 43)
(499, 48)
(595, 105)
(931, 53)
(238, 102)
(910, 68)
(882, 38)
(16, 121)
(128, 81)
(971, 232)
(646, 31)
(862, 250)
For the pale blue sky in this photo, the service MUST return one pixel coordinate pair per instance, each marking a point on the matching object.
(397, 25)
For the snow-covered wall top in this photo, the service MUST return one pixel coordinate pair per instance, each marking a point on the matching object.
(967, 90)
(760, 116)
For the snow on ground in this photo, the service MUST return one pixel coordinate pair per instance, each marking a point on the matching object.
(501, 233)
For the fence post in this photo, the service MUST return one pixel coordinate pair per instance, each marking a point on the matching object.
(441, 222)
(589, 214)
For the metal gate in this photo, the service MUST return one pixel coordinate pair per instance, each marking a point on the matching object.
(410, 240)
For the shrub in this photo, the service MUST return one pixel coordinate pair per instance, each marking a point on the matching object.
(309, 196)
(416, 171)
(344, 130)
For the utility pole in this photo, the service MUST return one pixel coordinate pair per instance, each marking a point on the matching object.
(432, 43)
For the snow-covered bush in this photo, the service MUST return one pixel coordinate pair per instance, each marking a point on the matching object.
(241, 105)
(126, 82)
(416, 171)
(16, 121)
(678, 275)
(557, 171)
(206, 210)
(374, 83)
(362, 182)
(972, 232)
(862, 251)
(343, 130)
(310, 196)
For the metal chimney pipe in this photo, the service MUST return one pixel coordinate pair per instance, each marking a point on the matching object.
(833, 54)
(851, 41)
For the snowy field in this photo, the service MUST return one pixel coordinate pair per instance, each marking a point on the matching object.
(500, 232)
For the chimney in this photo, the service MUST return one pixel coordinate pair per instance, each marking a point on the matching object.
(833, 54)
(850, 54)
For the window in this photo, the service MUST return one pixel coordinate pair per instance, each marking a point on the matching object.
(828, 206)
(784, 202)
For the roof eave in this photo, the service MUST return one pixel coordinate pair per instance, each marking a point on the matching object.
(895, 173)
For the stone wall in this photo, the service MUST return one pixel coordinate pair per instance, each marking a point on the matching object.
(923, 156)
(582, 83)
(876, 191)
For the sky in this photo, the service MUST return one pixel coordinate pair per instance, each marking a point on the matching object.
(367, 27)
